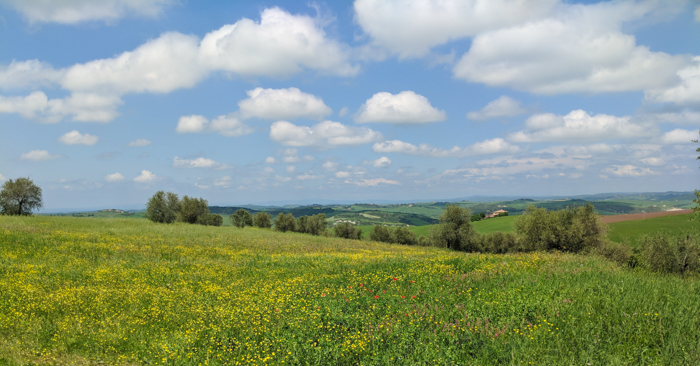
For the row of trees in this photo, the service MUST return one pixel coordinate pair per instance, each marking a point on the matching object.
(167, 208)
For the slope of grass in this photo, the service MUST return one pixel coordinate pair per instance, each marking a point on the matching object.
(631, 231)
(93, 291)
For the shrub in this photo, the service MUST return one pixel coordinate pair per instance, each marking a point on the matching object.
(284, 222)
(262, 220)
(163, 207)
(476, 217)
(570, 229)
(502, 214)
(402, 235)
(621, 253)
(499, 243)
(316, 224)
(348, 231)
(454, 230)
(191, 209)
(668, 254)
(241, 218)
(301, 225)
(210, 219)
(380, 233)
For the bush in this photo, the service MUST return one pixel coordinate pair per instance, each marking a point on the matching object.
(191, 209)
(621, 253)
(316, 224)
(284, 222)
(241, 218)
(348, 231)
(210, 219)
(163, 207)
(262, 220)
(570, 229)
(668, 254)
(380, 233)
(454, 230)
(476, 217)
(502, 214)
(499, 243)
(301, 225)
(402, 235)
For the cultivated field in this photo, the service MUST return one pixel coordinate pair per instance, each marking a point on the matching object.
(126, 291)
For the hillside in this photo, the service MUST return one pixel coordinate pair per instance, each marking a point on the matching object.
(124, 291)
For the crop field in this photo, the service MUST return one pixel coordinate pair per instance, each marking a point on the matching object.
(630, 231)
(124, 291)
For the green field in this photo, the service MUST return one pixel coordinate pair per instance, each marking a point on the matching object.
(123, 291)
(630, 231)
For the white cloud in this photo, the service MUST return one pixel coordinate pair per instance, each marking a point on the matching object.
(579, 126)
(373, 182)
(30, 73)
(382, 162)
(327, 134)
(224, 182)
(270, 160)
(330, 166)
(282, 179)
(38, 155)
(198, 163)
(629, 171)
(146, 177)
(679, 136)
(290, 159)
(685, 117)
(307, 176)
(686, 92)
(343, 111)
(140, 142)
(116, 177)
(406, 107)
(291, 169)
(505, 167)
(653, 161)
(492, 146)
(342, 174)
(2, 178)
(76, 11)
(579, 49)
(76, 138)
(504, 106)
(281, 44)
(84, 107)
(697, 14)
(268, 170)
(227, 125)
(412, 28)
(289, 103)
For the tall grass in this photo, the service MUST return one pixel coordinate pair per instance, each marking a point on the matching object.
(133, 292)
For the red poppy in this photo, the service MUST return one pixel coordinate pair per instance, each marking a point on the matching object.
(376, 297)
(395, 279)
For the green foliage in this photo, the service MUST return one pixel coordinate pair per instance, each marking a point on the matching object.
(241, 218)
(347, 230)
(301, 225)
(210, 219)
(402, 235)
(671, 254)
(476, 217)
(262, 220)
(316, 224)
(284, 222)
(20, 197)
(454, 231)
(570, 229)
(163, 207)
(191, 209)
(621, 253)
(381, 233)
(501, 214)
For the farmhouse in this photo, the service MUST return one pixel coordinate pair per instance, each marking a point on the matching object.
(495, 213)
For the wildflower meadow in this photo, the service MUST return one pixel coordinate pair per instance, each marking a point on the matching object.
(131, 292)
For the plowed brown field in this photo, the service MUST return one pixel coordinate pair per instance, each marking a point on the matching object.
(642, 216)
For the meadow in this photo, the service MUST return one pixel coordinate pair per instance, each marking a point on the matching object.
(128, 292)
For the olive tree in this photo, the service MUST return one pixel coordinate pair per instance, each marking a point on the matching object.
(284, 222)
(241, 218)
(163, 207)
(191, 209)
(20, 197)
(262, 220)
(454, 230)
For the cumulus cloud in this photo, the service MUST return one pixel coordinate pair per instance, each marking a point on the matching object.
(653, 161)
(140, 142)
(382, 162)
(581, 48)
(412, 28)
(76, 11)
(2, 178)
(307, 176)
(226, 125)
(116, 177)
(146, 177)
(288, 103)
(504, 106)
(629, 171)
(579, 126)
(327, 134)
(406, 107)
(342, 174)
(84, 107)
(373, 182)
(270, 160)
(198, 163)
(330, 166)
(492, 146)
(76, 138)
(505, 167)
(281, 44)
(224, 182)
(29, 73)
(684, 93)
(38, 155)
(679, 136)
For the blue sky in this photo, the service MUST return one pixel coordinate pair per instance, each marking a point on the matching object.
(104, 103)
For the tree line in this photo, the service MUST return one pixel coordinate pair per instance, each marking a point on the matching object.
(167, 208)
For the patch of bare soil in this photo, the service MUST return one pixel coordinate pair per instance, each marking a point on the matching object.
(643, 216)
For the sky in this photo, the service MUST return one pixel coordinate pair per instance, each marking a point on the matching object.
(261, 102)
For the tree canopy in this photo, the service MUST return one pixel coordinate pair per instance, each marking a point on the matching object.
(20, 197)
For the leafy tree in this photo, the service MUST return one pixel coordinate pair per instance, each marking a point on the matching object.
(348, 231)
(502, 214)
(476, 217)
(454, 230)
(241, 218)
(262, 220)
(210, 219)
(191, 209)
(402, 235)
(302, 224)
(380, 233)
(316, 224)
(668, 254)
(284, 222)
(163, 207)
(20, 197)
(570, 229)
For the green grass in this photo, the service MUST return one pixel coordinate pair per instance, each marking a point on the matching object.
(124, 291)
(631, 231)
